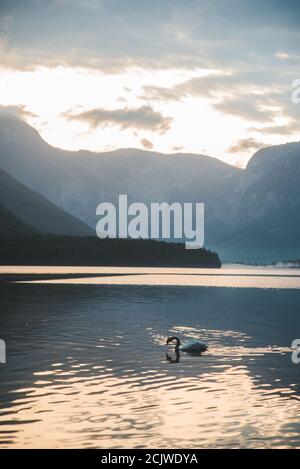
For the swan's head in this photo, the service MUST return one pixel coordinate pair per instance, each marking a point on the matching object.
(170, 339)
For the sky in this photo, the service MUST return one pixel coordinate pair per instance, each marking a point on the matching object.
(191, 76)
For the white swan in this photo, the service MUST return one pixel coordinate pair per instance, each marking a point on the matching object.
(191, 346)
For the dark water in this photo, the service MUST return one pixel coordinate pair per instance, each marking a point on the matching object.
(87, 367)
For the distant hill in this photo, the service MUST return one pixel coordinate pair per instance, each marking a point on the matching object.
(24, 211)
(251, 215)
(92, 251)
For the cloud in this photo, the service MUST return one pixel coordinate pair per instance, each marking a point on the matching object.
(177, 148)
(169, 34)
(244, 145)
(18, 110)
(5, 22)
(147, 144)
(248, 107)
(161, 93)
(253, 95)
(226, 83)
(286, 130)
(143, 117)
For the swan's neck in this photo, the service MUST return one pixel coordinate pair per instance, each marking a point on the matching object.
(177, 343)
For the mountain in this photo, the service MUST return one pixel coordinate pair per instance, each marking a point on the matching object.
(262, 220)
(251, 215)
(24, 211)
(78, 181)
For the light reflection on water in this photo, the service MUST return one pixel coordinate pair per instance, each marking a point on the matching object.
(87, 367)
(230, 277)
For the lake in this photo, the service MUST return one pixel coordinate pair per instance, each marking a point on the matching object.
(87, 364)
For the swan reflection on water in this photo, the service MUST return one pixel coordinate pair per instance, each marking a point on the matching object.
(175, 359)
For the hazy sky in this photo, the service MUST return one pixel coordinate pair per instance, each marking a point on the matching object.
(201, 76)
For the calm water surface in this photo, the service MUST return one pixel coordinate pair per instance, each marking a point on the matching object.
(87, 367)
